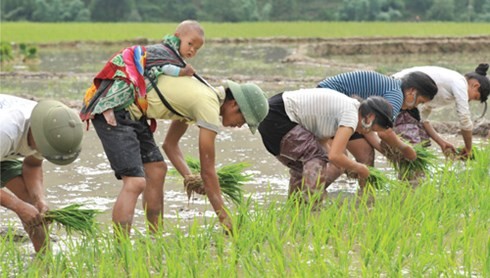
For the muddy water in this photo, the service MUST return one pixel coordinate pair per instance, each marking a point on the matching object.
(65, 73)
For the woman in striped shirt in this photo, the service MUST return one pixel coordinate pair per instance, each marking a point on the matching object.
(299, 128)
(405, 93)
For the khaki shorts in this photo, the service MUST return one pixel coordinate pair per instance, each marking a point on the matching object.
(9, 169)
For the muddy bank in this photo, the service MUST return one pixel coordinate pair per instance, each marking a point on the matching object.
(481, 128)
(320, 47)
(402, 45)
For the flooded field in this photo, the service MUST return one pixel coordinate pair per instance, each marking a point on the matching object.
(64, 73)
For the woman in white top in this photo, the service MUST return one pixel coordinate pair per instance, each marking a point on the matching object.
(453, 88)
(300, 123)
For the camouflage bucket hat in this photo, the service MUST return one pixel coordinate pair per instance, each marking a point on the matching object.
(252, 102)
(57, 131)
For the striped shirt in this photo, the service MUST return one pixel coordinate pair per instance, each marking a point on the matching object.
(321, 111)
(365, 84)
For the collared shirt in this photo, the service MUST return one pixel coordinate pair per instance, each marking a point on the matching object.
(452, 88)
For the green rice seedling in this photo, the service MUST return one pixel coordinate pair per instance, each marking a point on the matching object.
(410, 170)
(377, 179)
(421, 165)
(231, 178)
(459, 155)
(73, 218)
(429, 232)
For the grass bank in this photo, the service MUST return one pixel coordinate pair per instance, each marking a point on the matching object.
(437, 229)
(28, 32)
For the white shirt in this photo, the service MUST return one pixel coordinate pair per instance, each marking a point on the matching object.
(452, 88)
(321, 111)
(15, 114)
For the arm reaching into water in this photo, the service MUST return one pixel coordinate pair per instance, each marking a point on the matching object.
(390, 137)
(338, 157)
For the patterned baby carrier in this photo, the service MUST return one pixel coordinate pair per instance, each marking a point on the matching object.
(124, 78)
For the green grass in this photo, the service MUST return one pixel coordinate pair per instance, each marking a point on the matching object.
(28, 32)
(439, 229)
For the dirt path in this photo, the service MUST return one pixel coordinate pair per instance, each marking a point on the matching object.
(339, 46)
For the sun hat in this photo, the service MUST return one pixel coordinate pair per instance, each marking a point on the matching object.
(57, 131)
(252, 102)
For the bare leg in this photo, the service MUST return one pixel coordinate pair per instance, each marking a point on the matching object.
(123, 211)
(37, 233)
(38, 237)
(362, 151)
(153, 194)
(332, 172)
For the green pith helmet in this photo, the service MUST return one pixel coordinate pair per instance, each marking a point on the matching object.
(57, 131)
(252, 102)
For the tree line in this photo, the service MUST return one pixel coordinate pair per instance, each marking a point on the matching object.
(244, 10)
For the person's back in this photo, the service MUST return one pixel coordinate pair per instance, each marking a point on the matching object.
(364, 84)
(193, 100)
(15, 116)
(452, 86)
(321, 110)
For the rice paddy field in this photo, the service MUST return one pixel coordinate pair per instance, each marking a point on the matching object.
(438, 228)
(27, 32)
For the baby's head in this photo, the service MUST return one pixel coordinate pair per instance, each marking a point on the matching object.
(191, 36)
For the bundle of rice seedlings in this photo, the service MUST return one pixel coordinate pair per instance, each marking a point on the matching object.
(231, 178)
(459, 155)
(377, 179)
(410, 170)
(393, 155)
(73, 218)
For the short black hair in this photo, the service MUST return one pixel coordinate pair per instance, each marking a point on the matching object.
(420, 81)
(480, 75)
(381, 108)
(228, 94)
